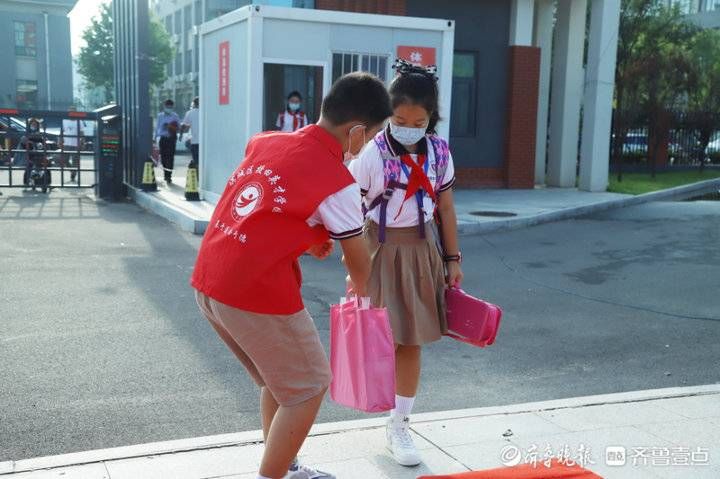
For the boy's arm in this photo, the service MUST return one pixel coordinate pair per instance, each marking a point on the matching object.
(356, 257)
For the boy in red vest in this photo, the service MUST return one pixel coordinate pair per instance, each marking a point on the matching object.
(291, 194)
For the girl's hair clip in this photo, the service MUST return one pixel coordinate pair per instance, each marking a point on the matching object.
(403, 67)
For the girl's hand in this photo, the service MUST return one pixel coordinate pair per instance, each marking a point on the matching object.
(322, 250)
(454, 274)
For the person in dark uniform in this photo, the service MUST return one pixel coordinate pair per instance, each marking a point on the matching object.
(166, 130)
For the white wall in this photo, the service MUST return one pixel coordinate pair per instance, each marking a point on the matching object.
(224, 138)
(266, 38)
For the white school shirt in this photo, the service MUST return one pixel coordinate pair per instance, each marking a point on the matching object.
(368, 172)
(340, 213)
(285, 121)
(191, 119)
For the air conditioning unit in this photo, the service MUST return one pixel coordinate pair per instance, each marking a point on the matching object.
(175, 38)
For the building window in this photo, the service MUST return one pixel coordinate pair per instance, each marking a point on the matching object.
(187, 18)
(26, 93)
(198, 13)
(25, 39)
(344, 63)
(686, 6)
(462, 108)
(197, 54)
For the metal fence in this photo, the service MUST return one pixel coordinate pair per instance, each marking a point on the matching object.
(63, 144)
(670, 139)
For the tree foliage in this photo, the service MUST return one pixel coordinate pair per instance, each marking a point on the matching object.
(657, 69)
(95, 62)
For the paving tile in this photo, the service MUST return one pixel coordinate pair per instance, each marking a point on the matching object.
(608, 415)
(694, 407)
(482, 455)
(456, 432)
(359, 468)
(189, 465)
(682, 472)
(690, 433)
(87, 471)
(434, 462)
(595, 442)
(349, 445)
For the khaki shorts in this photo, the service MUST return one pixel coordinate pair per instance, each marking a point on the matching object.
(282, 353)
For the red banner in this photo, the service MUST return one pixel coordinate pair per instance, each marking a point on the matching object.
(224, 74)
(421, 56)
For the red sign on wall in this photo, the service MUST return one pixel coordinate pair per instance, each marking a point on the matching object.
(421, 56)
(224, 74)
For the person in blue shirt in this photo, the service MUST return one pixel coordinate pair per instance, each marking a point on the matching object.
(166, 130)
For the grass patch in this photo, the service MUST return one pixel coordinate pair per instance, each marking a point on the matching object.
(638, 183)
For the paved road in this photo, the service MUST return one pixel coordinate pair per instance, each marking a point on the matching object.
(101, 344)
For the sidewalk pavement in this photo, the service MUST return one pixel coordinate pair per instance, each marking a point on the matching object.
(660, 433)
(478, 210)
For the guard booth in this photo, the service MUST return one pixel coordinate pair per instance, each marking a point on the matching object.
(253, 57)
(66, 145)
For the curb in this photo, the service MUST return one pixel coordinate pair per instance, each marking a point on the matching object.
(186, 220)
(195, 224)
(253, 437)
(671, 194)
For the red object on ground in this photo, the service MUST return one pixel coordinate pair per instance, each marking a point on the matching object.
(557, 470)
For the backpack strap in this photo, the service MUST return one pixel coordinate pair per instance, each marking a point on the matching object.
(442, 158)
(391, 174)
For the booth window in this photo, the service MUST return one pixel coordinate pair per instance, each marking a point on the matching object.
(462, 109)
(344, 63)
(25, 39)
(26, 93)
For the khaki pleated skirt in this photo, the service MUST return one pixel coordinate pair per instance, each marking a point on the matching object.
(408, 278)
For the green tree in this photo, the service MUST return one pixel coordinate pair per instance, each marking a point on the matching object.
(704, 94)
(95, 61)
(653, 72)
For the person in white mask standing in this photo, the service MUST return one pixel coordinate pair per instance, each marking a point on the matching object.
(293, 118)
(406, 175)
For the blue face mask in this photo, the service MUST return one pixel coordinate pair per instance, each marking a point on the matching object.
(168, 110)
(294, 106)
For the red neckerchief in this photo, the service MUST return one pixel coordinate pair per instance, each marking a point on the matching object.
(298, 119)
(417, 180)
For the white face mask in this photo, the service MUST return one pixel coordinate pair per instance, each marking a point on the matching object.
(348, 156)
(405, 135)
(294, 106)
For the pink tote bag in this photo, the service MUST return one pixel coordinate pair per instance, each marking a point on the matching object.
(471, 320)
(362, 356)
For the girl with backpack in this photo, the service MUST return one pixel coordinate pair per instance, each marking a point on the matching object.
(406, 175)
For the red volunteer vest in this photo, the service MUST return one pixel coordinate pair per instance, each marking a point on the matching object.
(248, 256)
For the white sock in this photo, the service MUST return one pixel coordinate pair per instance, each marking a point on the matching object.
(403, 407)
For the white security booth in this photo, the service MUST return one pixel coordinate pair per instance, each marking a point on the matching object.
(252, 58)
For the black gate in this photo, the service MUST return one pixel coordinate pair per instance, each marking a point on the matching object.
(64, 144)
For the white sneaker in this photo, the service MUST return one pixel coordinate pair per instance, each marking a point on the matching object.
(400, 443)
(298, 471)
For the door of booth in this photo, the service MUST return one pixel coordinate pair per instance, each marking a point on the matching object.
(280, 80)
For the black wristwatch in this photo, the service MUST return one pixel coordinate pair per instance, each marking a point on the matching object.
(453, 257)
